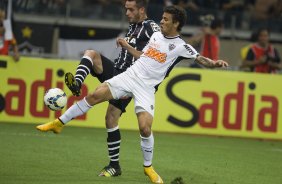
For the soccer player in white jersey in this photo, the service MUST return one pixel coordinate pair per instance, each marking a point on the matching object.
(140, 80)
(139, 32)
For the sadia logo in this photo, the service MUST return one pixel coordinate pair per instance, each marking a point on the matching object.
(264, 117)
(20, 91)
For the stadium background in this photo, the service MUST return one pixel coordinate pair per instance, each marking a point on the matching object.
(64, 29)
(228, 103)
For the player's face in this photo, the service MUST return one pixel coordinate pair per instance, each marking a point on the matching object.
(132, 12)
(168, 28)
(218, 30)
(263, 38)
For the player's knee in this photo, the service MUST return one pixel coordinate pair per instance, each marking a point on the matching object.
(91, 53)
(145, 131)
(94, 98)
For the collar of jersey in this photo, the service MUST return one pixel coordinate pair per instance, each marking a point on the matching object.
(171, 37)
(139, 23)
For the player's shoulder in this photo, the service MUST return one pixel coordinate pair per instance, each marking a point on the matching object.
(157, 34)
(148, 21)
(180, 41)
(151, 24)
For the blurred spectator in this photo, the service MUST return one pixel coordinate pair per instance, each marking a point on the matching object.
(233, 5)
(276, 22)
(104, 9)
(155, 9)
(187, 4)
(278, 9)
(233, 12)
(213, 5)
(25, 5)
(208, 38)
(191, 8)
(263, 9)
(261, 12)
(52, 6)
(41, 6)
(161, 2)
(6, 44)
(262, 57)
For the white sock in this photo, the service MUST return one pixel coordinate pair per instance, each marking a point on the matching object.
(147, 146)
(77, 109)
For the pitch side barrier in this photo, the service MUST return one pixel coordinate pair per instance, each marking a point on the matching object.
(192, 101)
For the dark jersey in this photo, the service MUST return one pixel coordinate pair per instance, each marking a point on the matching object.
(137, 36)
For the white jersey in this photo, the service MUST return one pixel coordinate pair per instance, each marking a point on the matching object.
(140, 80)
(160, 55)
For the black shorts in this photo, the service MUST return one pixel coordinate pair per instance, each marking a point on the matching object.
(109, 71)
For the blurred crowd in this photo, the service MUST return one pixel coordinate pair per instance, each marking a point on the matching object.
(258, 16)
(237, 13)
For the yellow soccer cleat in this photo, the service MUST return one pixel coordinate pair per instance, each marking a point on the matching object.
(56, 126)
(153, 175)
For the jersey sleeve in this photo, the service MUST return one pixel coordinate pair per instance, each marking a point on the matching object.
(151, 27)
(189, 52)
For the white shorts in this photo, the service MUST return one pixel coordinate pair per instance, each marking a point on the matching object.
(127, 84)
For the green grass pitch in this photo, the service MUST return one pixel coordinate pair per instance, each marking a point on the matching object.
(78, 154)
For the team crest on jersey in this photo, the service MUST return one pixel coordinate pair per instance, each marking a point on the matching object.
(171, 47)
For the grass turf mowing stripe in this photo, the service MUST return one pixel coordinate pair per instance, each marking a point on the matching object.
(78, 154)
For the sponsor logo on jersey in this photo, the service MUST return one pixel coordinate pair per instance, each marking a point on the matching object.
(155, 54)
(130, 40)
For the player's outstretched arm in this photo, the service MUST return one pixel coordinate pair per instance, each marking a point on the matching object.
(207, 62)
(135, 53)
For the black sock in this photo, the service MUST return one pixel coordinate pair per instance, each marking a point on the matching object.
(83, 69)
(113, 141)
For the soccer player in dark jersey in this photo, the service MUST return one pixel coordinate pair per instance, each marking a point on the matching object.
(139, 32)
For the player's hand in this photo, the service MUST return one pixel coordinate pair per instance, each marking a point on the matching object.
(221, 63)
(121, 42)
(262, 60)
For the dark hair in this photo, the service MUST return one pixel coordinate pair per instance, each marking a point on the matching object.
(178, 15)
(216, 23)
(140, 3)
(255, 35)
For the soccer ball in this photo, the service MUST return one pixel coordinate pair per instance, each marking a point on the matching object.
(55, 99)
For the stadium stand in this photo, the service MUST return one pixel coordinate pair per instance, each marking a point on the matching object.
(239, 19)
